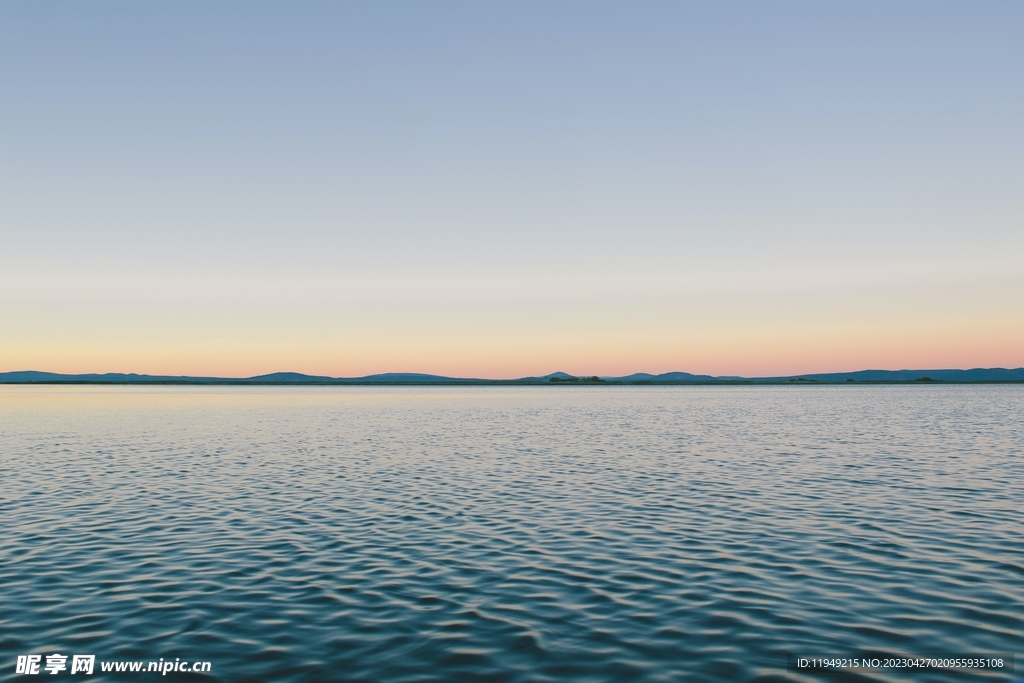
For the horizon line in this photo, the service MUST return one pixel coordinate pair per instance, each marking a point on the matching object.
(998, 374)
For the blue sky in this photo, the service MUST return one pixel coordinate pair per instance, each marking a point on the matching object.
(498, 189)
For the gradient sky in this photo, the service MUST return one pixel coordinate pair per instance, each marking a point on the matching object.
(503, 189)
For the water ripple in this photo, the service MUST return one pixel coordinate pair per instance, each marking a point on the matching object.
(515, 534)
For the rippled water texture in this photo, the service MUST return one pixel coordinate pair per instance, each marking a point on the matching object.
(510, 534)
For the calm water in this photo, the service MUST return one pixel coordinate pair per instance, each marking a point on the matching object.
(510, 534)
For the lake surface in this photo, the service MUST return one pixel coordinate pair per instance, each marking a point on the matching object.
(581, 534)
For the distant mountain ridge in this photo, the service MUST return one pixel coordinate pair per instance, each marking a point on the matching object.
(972, 375)
(664, 377)
(33, 376)
(941, 375)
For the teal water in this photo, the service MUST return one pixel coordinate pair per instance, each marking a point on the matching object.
(581, 534)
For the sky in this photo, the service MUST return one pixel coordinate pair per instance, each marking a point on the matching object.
(504, 189)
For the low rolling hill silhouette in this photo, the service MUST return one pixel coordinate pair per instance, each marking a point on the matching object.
(870, 376)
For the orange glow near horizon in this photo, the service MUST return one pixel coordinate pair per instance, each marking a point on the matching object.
(736, 350)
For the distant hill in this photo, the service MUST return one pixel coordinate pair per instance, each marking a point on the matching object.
(664, 377)
(289, 377)
(973, 375)
(32, 376)
(546, 378)
(409, 377)
(383, 378)
(29, 376)
(947, 375)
